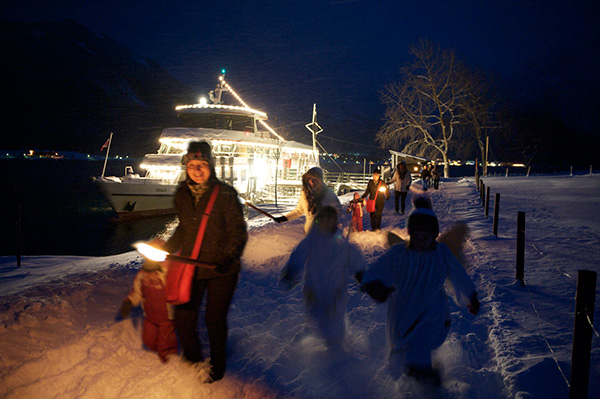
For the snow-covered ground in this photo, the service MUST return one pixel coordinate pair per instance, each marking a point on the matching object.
(59, 337)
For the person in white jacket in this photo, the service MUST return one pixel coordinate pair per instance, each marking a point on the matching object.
(314, 196)
(402, 181)
(324, 261)
(413, 276)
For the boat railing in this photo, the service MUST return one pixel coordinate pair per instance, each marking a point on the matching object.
(343, 177)
(286, 193)
(342, 182)
(137, 179)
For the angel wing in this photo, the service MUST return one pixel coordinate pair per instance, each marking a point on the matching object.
(455, 238)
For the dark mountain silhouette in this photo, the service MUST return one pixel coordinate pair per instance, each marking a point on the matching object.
(66, 88)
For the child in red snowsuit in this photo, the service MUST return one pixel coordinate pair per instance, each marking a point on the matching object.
(356, 207)
(158, 333)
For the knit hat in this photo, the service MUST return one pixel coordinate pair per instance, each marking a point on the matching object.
(378, 171)
(422, 218)
(315, 172)
(198, 150)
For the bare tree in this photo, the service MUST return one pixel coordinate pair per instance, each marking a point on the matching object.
(423, 109)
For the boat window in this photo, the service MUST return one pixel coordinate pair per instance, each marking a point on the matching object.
(217, 121)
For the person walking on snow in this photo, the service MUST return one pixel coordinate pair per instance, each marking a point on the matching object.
(425, 176)
(314, 196)
(436, 173)
(402, 181)
(356, 208)
(411, 278)
(158, 331)
(222, 247)
(377, 190)
(323, 261)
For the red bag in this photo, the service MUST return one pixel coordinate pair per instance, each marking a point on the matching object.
(179, 282)
(371, 202)
(370, 205)
(178, 286)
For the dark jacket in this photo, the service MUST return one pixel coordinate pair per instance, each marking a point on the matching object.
(226, 233)
(372, 190)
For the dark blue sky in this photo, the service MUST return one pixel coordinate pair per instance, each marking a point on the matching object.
(283, 56)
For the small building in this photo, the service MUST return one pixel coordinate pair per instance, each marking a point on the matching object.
(413, 163)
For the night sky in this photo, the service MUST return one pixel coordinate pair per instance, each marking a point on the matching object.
(283, 56)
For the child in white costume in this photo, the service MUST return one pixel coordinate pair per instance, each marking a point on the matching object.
(414, 276)
(324, 260)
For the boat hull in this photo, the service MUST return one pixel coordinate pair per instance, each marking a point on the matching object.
(138, 200)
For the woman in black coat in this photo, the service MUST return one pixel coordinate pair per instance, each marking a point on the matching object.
(377, 188)
(224, 241)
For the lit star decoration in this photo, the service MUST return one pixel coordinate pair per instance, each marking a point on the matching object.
(314, 127)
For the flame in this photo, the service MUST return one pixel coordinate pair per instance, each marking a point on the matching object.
(150, 252)
(382, 189)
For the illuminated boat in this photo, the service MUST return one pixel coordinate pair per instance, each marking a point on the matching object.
(247, 154)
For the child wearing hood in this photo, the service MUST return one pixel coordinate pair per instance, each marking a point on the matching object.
(411, 277)
(356, 208)
(324, 260)
(158, 332)
(314, 196)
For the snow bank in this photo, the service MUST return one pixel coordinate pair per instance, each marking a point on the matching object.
(59, 337)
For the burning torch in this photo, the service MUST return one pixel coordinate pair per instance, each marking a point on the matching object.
(158, 255)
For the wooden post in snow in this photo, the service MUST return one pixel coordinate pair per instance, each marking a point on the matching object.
(521, 247)
(582, 333)
(17, 227)
(482, 193)
(496, 214)
(487, 201)
(476, 174)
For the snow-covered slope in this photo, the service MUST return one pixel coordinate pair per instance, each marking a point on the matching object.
(59, 337)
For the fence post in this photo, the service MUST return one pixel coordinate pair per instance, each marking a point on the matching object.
(18, 234)
(506, 172)
(582, 333)
(482, 192)
(487, 202)
(571, 171)
(17, 226)
(496, 213)
(483, 188)
(521, 247)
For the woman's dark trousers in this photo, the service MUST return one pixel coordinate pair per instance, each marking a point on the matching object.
(400, 200)
(219, 293)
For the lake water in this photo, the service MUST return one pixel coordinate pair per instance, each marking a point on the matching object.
(63, 212)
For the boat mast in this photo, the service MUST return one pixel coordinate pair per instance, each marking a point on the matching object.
(216, 99)
(107, 151)
(315, 129)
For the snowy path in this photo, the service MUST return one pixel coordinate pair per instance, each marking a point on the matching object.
(59, 338)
